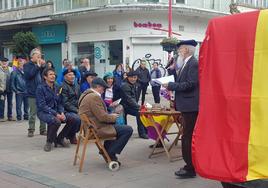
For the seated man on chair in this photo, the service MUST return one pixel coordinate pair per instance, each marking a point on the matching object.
(91, 104)
(50, 110)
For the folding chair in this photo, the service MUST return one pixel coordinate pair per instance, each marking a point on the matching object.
(88, 134)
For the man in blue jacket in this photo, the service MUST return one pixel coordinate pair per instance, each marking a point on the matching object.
(32, 75)
(50, 110)
(18, 86)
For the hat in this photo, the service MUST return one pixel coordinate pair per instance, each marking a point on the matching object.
(100, 82)
(108, 75)
(132, 73)
(90, 73)
(4, 59)
(187, 42)
(66, 71)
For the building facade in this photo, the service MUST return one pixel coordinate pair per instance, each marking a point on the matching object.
(108, 32)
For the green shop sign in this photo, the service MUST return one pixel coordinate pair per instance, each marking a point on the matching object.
(50, 34)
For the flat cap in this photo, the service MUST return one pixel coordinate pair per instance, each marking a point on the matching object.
(100, 82)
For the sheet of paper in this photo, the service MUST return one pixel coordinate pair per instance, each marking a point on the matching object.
(117, 102)
(164, 80)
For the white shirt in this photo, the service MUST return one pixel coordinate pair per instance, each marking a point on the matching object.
(96, 92)
(185, 62)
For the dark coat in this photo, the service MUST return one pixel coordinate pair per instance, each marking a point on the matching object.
(144, 76)
(129, 96)
(48, 100)
(18, 83)
(186, 87)
(32, 75)
(70, 94)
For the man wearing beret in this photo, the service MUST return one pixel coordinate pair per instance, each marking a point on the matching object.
(91, 104)
(186, 90)
(130, 101)
(70, 94)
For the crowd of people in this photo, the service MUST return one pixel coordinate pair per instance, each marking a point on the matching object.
(60, 99)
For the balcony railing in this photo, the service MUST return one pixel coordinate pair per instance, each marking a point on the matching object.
(62, 5)
(253, 3)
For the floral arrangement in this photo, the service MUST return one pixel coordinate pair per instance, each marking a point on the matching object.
(169, 41)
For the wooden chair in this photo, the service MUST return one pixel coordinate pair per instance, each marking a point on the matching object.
(88, 134)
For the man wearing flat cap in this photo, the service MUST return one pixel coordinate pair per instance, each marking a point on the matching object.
(130, 101)
(91, 104)
(70, 94)
(186, 90)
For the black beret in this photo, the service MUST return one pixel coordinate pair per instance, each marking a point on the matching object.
(187, 42)
(66, 71)
(132, 73)
(90, 73)
(100, 82)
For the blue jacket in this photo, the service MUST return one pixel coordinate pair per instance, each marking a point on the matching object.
(49, 100)
(32, 75)
(18, 84)
(84, 86)
(118, 78)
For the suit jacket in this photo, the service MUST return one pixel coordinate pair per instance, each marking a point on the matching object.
(186, 87)
(93, 106)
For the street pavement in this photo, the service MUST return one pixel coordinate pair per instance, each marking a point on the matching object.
(23, 164)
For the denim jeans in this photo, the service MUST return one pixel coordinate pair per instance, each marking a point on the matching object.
(21, 98)
(2, 105)
(123, 133)
(9, 104)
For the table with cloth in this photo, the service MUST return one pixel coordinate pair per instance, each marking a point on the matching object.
(158, 123)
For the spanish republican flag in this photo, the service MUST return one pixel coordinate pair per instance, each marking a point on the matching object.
(230, 141)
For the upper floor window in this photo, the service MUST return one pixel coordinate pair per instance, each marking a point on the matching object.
(180, 1)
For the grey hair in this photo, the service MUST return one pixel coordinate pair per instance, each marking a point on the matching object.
(35, 51)
(191, 49)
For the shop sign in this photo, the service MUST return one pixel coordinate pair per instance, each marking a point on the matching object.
(147, 24)
(50, 34)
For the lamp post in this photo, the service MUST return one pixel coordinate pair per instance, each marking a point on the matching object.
(170, 18)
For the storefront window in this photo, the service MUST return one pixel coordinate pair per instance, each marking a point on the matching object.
(103, 55)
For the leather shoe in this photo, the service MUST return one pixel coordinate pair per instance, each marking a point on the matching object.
(48, 147)
(144, 136)
(159, 145)
(62, 143)
(182, 173)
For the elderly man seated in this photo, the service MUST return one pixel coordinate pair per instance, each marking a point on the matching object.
(92, 104)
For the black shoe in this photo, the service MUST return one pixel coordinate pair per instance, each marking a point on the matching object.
(159, 145)
(144, 136)
(62, 143)
(26, 118)
(30, 133)
(44, 133)
(182, 173)
(48, 147)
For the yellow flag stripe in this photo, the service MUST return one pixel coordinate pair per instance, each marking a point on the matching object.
(258, 138)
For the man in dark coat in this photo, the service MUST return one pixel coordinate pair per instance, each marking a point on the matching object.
(130, 103)
(70, 95)
(186, 90)
(144, 77)
(32, 74)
